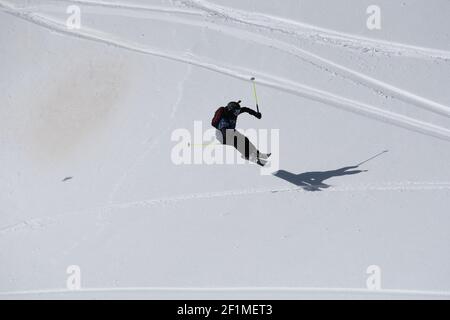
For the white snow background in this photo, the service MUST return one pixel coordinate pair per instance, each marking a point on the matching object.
(96, 107)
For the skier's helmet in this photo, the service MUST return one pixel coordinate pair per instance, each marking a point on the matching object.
(233, 106)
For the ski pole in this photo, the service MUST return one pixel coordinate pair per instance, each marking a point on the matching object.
(254, 91)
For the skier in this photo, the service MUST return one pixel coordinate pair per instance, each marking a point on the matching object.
(225, 122)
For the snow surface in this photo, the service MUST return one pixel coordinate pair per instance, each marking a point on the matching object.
(87, 114)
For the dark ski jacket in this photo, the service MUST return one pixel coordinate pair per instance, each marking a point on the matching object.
(229, 118)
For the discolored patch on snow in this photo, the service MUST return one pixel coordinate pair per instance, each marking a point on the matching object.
(74, 108)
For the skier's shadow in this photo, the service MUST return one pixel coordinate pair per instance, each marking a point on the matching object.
(314, 181)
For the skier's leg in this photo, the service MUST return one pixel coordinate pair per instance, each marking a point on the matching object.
(235, 139)
(221, 136)
(252, 151)
(244, 146)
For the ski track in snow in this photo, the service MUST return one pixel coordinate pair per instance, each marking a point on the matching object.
(413, 186)
(239, 73)
(245, 291)
(326, 65)
(181, 85)
(127, 6)
(282, 25)
(43, 222)
(308, 31)
(143, 155)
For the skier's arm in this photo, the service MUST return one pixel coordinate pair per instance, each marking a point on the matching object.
(250, 111)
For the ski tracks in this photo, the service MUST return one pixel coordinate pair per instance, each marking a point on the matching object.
(260, 292)
(286, 26)
(127, 6)
(239, 73)
(308, 31)
(155, 140)
(43, 222)
(390, 186)
(254, 36)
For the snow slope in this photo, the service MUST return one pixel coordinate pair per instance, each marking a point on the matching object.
(87, 177)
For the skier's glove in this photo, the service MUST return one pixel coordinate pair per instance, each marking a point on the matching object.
(258, 115)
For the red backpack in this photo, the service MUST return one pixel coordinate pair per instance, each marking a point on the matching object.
(217, 116)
